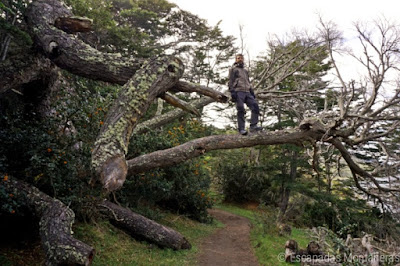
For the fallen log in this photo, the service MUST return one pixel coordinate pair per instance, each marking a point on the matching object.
(55, 225)
(143, 228)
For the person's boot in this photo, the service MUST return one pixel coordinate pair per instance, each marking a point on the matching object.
(255, 128)
(243, 132)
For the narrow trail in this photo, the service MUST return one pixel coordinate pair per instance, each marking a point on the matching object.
(229, 245)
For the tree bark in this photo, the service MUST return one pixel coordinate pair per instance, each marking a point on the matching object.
(73, 24)
(141, 227)
(69, 52)
(111, 146)
(55, 224)
(200, 146)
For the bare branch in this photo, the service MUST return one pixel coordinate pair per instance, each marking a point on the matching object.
(183, 86)
(175, 101)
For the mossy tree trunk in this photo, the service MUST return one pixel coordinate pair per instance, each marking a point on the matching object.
(108, 156)
(55, 224)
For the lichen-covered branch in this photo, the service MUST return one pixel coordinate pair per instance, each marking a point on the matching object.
(55, 224)
(111, 146)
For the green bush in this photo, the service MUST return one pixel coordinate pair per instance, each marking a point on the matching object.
(241, 181)
(182, 188)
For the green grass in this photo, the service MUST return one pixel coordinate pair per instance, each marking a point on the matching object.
(268, 247)
(114, 247)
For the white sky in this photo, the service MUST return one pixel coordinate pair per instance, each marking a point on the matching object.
(261, 18)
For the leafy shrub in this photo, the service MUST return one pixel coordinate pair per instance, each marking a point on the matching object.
(241, 181)
(182, 188)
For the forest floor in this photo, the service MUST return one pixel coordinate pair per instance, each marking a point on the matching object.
(229, 245)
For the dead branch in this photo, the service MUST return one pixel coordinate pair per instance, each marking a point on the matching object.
(183, 86)
(175, 101)
(74, 24)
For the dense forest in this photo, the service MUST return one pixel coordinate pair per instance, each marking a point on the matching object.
(102, 117)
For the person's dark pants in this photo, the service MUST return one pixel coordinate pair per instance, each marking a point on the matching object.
(242, 98)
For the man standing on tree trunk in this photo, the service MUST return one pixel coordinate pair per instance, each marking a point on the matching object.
(241, 93)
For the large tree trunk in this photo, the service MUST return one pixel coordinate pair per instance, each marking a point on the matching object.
(152, 80)
(55, 224)
(142, 228)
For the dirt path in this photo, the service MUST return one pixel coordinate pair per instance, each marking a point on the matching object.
(229, 245)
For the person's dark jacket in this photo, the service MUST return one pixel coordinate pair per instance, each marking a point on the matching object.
(239, 80)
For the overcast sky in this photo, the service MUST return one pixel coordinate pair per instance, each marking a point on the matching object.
(261, 18)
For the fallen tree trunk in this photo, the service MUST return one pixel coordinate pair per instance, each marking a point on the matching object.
(200, 146)
(143, 228)
(55, 226)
